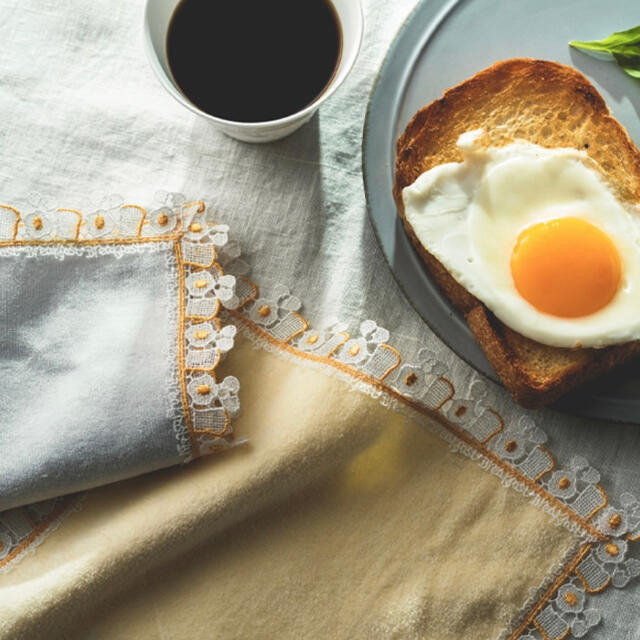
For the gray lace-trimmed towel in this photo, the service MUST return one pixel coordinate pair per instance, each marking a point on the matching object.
(109, 342)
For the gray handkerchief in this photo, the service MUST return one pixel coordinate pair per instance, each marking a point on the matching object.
(109, 343)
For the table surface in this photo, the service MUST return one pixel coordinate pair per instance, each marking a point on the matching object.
(84, 117)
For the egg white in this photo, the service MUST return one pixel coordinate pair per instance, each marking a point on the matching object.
(469, 214)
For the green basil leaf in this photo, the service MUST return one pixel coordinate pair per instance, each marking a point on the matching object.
(629, 64)
(622, 46)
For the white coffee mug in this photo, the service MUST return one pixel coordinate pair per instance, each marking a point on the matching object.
(157, 17)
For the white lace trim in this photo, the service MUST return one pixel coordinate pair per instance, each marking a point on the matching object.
(23, 529)
(212, 403)
(175, 411)
(60, 251)
(536, 593)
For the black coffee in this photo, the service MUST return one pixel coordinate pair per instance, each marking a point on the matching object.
(253, 60)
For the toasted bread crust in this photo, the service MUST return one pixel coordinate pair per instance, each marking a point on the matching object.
(551, 105)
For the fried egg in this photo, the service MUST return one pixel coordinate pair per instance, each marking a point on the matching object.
(538, 236)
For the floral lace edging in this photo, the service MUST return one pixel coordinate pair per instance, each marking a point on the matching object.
(566, 609)
(200, 405)
(23, 529)
(210, 404)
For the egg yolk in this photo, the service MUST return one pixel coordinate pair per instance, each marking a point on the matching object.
(566, 267)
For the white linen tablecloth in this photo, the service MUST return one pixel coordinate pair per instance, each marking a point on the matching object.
(83, 117)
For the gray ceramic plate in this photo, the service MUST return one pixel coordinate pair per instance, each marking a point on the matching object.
(441, 44)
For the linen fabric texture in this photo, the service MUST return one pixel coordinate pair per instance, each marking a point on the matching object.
(89, 391)
(84, 116)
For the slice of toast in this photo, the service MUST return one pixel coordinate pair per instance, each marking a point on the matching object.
(551, 105)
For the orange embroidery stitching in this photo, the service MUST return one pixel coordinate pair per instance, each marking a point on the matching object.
(87, 242)
(605, 500)
(345, 337)
(305, 326)
(211, 369)
(218, 434)
(510, 445)
(452, 391)
(18, 218)
(252, 296)
(615, 520)
(181, 355)
(143, 219)
(586, 586)
(411, 379)
(201, 265)
(199, 203)
(37, 531)
(612, 549)
(564, 483)
(78, 224)
(546, 636)
(394, 366)
(552, 464)
(202, 389)
(212, 318)
(548, 594)
(498, 430)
